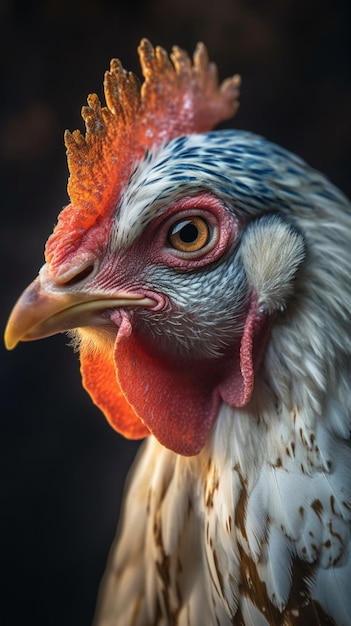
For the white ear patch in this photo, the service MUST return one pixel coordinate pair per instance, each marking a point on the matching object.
(272, 251)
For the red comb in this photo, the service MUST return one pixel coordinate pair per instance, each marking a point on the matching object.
(178, 97)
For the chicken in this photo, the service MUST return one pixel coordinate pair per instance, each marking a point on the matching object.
(205, 279)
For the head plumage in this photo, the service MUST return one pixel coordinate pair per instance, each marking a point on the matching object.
(178, 97)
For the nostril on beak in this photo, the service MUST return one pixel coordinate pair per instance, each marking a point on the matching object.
(77, 278)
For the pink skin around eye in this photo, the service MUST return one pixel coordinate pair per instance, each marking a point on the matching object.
(224, 228)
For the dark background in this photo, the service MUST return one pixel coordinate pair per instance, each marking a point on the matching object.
(63, 468)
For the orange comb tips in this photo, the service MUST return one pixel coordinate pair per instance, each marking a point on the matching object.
(178, 97)
(186, 95)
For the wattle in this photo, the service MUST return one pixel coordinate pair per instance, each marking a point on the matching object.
(142, 390)
(177, 400)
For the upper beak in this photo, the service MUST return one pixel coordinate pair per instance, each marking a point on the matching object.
(43, 310)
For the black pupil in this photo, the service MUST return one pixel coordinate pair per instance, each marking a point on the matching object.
(189, 233)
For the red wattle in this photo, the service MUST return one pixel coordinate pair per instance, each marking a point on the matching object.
(176, 401)
(99, 379)
(142, 391)
(237, 388)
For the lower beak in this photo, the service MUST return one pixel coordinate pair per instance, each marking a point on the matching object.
(41, 312)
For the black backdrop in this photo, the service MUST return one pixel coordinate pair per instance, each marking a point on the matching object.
(63, 468)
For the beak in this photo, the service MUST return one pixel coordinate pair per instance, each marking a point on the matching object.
(45, 309)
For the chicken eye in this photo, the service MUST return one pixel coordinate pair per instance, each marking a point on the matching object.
(189, 235)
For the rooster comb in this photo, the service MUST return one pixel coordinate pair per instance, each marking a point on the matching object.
(177, 97)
